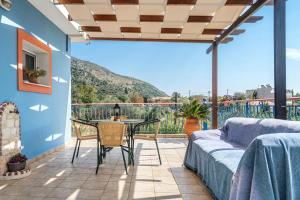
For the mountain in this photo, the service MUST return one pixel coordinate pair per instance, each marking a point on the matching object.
(94, 83)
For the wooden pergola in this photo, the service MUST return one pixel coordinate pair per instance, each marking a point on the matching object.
(198, 21)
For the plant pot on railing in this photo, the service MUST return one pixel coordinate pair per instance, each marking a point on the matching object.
(193, 112)
(17, 163)
(191, 125)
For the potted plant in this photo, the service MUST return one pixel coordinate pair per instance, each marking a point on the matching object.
(193, 112)
(17, 163)
(33, 74)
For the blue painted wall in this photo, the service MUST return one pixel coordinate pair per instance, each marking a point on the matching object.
(44, 118)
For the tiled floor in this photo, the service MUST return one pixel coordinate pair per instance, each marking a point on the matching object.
(56, 178)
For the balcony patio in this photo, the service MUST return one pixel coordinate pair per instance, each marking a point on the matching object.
(54, 177)
(34, 118)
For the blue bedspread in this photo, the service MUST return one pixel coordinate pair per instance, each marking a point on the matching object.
(269, 169)
(214, 160)
(247, 160)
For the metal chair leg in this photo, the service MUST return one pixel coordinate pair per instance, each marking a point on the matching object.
(74, 151)
(99, 156)
(158, 151)
(97, 168)
(78, 148)
(132, 158)
(98, 152)
(124, 160)
(132, 152)
(101, 153)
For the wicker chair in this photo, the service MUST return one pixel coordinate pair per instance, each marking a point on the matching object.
(112, 134)
(83, 131)
(147, 130)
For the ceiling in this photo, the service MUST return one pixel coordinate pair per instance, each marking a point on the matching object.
(154, 20)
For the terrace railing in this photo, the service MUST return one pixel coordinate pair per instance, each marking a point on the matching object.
(146, 111)
(259, 108)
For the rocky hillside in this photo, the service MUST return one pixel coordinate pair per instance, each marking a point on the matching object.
(91, 82)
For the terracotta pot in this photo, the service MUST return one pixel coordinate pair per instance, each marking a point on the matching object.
(32, 79)
(191, 125)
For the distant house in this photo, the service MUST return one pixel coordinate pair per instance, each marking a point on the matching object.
(265, 92)
(160, 100)
(227, 97)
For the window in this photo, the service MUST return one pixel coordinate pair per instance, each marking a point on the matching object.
(29, 61)
(34, 64)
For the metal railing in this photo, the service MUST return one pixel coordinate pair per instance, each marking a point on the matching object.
(145, 111)
(259, 108)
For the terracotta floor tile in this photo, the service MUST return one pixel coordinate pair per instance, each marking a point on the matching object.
(55, 178)
(71, 184)
(141, 195)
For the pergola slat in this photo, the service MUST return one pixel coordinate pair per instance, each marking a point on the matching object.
(182, 2)
(130, 29)
(90, 28)
(171, 30)
(200, 19)
(258, 4)
(70, 1)
(125, 2)
(151, 18)
(105, 17)
(238, 31)
(253, 19)
(239, 2)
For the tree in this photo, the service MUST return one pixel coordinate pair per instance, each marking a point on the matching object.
(239, 96)
(85, 94)
(297, 101)
(126, 90)
(254, 95)
(136, 98)
(175, 96)
(123, 98)
(146, 98)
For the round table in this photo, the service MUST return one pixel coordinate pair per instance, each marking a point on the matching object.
(131, 124)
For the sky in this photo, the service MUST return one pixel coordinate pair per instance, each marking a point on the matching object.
(245, 63)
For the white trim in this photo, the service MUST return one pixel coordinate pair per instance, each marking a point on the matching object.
(47, 8)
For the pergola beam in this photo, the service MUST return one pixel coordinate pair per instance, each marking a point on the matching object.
(214, 100)
(152, 40)
(280, 58)
(257, 5)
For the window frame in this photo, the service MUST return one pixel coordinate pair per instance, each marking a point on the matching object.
(24, 85)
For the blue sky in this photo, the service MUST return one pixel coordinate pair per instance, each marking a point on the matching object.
(245, 63)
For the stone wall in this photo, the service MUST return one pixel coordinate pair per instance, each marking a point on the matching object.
(10, 143)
